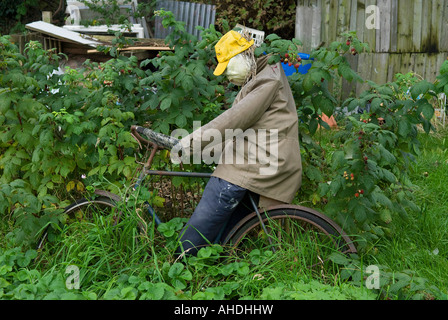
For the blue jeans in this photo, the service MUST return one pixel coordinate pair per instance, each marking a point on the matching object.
(222, 205)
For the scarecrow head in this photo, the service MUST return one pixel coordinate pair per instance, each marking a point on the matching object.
(235, 54)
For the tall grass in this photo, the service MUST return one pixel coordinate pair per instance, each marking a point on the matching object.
(109, 255)
(421, 243)
(123, 261)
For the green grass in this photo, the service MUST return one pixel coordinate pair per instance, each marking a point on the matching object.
(421, 244)
(121, 262)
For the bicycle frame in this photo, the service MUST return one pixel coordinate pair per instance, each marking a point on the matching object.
(146, 171)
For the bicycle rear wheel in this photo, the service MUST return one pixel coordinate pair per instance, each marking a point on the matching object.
(298, 236)
(83, 210)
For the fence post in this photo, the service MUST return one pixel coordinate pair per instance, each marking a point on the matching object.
(308, 24)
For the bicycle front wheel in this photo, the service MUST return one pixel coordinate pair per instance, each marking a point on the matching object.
(84, 210)
(298, 236)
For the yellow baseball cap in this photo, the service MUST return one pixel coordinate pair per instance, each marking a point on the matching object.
(231, 44)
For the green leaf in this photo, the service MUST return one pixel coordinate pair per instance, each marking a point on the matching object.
(346, 72)
(338, 160)
(181, 121)
(444, 68)
(404, 127)
(313, 173)
(324, 104)
(339, 258)
(166, 103)
(375, 106)
(308, 83)
(428, 111)
(386, 216)
(5, 103)
(272, 37)
(313, 126)
(386, 155)
(420, 88)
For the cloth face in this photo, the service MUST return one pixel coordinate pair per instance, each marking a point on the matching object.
(238, 69)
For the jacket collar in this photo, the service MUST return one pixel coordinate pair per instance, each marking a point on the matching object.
(262, 62)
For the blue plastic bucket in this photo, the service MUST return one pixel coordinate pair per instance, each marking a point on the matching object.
(303, 69)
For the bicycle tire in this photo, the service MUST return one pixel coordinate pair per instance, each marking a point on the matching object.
(248, 235)
(99, 204)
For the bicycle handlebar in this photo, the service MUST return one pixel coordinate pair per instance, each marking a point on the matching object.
(158, 140)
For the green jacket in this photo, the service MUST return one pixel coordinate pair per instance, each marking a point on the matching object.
(264, 110)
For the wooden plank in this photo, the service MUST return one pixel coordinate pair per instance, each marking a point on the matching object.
(379, 73)
(444, 34)
(361, 19)
(364, 70)
(417, 26)
(436, 25)
(307, 29)
(405, 12)
(419, 63)
(426, 26)
(384, 34)
(394, 66)
(316, 25)
(61, 33)
(343, 16)
(353, 15)
(406, 64)
(370, 34)
(300, 30)
(325, 21)
(333, 23)
(431, 67)
(394, 26)
(137, 49)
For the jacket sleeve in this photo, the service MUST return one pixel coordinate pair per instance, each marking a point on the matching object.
(242, 115)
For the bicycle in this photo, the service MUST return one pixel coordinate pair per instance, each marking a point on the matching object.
(303, 233)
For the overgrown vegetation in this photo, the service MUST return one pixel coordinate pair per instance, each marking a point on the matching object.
(57, 128)
(270, 16)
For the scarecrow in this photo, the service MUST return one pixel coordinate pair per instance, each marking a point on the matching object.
(270, 168)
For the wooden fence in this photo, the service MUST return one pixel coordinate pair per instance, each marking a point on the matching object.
(412, 35)
(193, 14)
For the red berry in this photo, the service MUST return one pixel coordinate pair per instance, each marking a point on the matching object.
(348, 42)
(361, 191)
(357, 195)
(297, 65)
(290, 63)
(299, 59)
(286, 55)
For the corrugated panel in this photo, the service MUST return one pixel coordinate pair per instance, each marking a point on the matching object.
(193, 14)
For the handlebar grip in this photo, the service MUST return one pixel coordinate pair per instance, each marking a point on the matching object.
(160, 139)
(139, 129)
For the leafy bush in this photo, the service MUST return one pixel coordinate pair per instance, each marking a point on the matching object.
(56, 128)
(270, 16)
